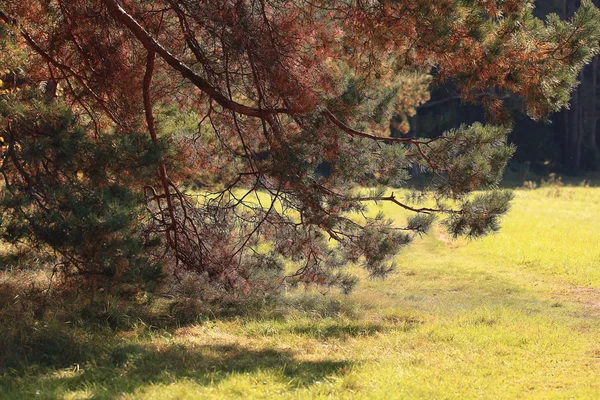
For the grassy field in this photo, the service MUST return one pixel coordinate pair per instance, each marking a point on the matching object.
(515, 315)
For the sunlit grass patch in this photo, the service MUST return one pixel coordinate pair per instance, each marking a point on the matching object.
(513, 315)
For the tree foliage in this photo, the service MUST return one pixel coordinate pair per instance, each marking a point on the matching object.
(277, 111)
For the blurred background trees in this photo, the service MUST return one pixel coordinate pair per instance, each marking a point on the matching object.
(567, 142)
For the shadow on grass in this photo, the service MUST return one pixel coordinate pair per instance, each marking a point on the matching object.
(125, 367)
(336, 330)
(342, 329)
(53, 346)
(46, 357)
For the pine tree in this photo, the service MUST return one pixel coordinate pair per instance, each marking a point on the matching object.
(67, 195)
(279, 111)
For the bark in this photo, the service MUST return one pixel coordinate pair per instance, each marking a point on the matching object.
(594, 107)
(573, 127)
(581, 131)
(574, 131)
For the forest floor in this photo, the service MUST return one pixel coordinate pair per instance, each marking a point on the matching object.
(514, 315)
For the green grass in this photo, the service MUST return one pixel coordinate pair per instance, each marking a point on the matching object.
(514, 315)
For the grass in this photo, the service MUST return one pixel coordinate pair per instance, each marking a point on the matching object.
(515, 315)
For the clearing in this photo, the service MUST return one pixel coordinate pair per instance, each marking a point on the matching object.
(515, 315)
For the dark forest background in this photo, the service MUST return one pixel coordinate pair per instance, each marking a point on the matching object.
(568, 143)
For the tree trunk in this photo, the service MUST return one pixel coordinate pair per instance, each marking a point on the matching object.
(581, 131)
(592, 143)
(573, 128)
(574, 132)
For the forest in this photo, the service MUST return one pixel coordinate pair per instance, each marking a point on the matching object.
(564, 143)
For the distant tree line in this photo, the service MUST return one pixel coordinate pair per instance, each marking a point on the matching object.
(567, 142)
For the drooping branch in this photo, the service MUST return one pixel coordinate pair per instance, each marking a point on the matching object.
(416, 143)
(152, 44)
(171, 229)
(354, 132)
(424, 210)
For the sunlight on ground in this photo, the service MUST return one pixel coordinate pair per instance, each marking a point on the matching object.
(514, 315)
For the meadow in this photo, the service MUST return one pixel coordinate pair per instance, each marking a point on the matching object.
(513, 315)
